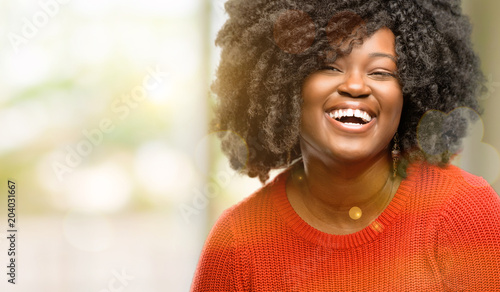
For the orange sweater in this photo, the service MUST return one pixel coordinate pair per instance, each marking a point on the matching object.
(441, 232)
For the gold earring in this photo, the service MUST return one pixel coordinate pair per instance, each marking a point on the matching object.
(395, 155)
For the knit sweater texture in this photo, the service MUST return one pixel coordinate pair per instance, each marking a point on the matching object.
(440, 232)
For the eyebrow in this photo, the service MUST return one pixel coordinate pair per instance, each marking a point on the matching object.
(376, 55)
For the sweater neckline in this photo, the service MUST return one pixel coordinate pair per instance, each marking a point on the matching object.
(368, 234)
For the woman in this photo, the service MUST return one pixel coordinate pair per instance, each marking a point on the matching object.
(335, 92)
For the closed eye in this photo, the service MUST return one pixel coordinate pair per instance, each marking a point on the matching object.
(382, 75)
(330, 68)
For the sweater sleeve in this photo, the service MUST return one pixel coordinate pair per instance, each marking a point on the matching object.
(216, 266)
(468, 249)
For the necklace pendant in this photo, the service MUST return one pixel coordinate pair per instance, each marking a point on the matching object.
(355, 213)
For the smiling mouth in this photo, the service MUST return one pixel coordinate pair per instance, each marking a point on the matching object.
(354, 117)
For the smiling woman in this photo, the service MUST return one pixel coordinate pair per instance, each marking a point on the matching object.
(350, 113)
(336, 101)
(362, 83)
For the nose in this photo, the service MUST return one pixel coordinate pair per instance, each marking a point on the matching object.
(354, 85)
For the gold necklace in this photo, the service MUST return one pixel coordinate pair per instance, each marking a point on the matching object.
(355, 213)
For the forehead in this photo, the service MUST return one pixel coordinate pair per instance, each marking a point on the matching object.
(382, 40)
(381, 43)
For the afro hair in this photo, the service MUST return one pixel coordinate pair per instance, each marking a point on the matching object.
(270, 46)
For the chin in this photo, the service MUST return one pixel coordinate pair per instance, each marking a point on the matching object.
(357, 153)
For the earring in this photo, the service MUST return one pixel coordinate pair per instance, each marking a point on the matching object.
(288, 157)
(395, 155)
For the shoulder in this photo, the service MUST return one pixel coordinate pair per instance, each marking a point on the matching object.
(465, 204)
(220, 264)
(467, 191)
(467, 237)
(451, 183)
(454, 198)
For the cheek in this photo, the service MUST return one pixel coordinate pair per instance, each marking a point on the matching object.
(311, 123)
(393, 101)
(308, 120)
(316, 88)
(314, 93)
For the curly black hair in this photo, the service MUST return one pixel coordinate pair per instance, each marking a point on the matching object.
(270, 46)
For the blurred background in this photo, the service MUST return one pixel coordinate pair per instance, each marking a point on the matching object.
(104, 107)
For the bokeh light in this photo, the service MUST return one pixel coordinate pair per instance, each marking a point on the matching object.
(88, 232)
(165, 173)
(103, 188)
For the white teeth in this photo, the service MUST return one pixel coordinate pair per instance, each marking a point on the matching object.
(341, 113)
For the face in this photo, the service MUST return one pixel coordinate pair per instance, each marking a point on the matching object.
(352, 107)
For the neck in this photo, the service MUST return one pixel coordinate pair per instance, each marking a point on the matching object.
(326, 193)
(348, 184)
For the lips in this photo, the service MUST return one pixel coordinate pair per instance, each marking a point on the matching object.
(351, 117)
